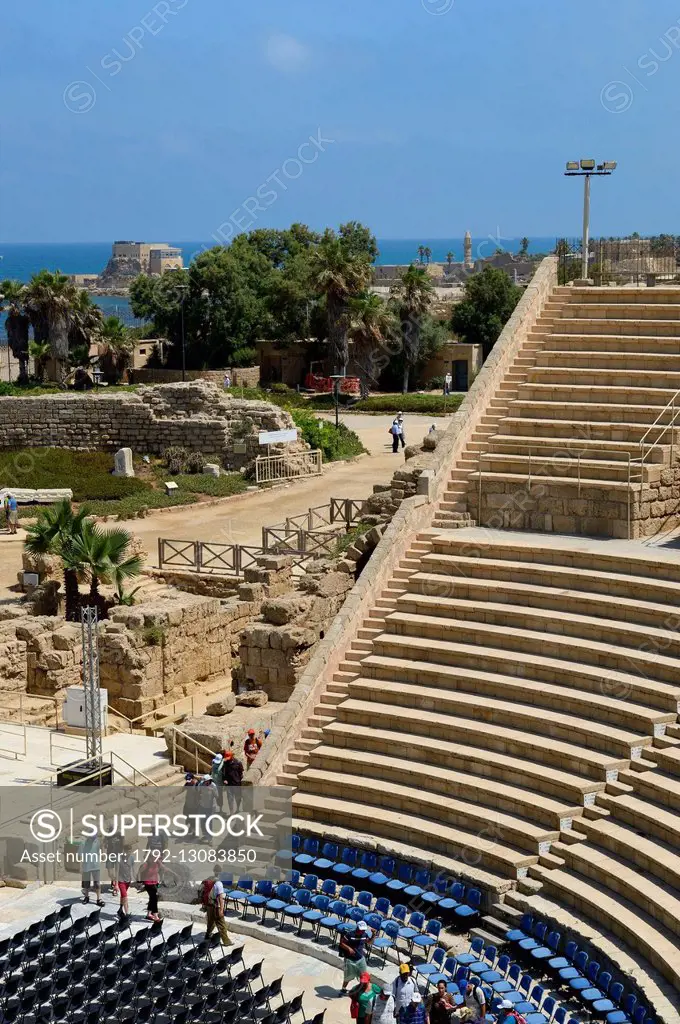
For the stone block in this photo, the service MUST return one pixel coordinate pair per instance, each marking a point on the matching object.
(212, 469)
(224, 705)
(252, 699)
(122, 463)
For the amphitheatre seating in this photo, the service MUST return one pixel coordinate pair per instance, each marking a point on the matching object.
(83, 968)
(605, 367)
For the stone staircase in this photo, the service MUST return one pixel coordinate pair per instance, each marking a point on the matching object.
(562, 451)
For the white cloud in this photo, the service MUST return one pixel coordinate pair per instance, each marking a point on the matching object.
(286, 53)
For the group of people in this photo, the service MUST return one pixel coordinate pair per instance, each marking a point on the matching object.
(397, 431)
(206, 792)
(125, 869)
(402, 1001)
(10, 512)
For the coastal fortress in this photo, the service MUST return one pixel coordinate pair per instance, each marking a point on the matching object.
(128, 260)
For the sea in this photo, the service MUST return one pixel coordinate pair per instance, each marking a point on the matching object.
(20, 260)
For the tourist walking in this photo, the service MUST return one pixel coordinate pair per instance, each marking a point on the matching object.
(475, 1001)
(402, 429)
(12, 513)
(216, 776)
(251, 747)
(415, 1011)
(227, 380)
(383, 1007)
(232, 778)
(114, 853)
(149, 876)
(448, 381)
(440, 1005)
(403, 989)
(363, 999)
(394, 431)
(91, 869)
(215, 911)
(353, 950)
(126, 876)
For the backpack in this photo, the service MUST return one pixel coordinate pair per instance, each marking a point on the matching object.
(519, 1019)
(206, 891)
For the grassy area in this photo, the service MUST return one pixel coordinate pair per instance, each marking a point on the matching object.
(429, 403)
(89, 475)
(49, 390)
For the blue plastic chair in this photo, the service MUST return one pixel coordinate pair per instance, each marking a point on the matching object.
(640, 1015)
(552, 944)
(545, 1014)
(329, 855)
(264, 890)
(416, 923)
(347, 893)
(239, 895)
(446, 974)
(404, 876)
(487, 959)
(560, 1016)
(626, 1003)
(388, 939)
(509, 983)
(310, 851)
(588, 980)
(600, 992)
(472, 907)
(310, 882)
(524, 1005)
(452, 900)
(524, 930)
(473, 955)
(369, 863)
(384, 873)
(437, 890)
(347, 863)
(421, 881)
(497, 972)
(281, 899)
(429, 938)
(575, 970)
(302, 899)
(286, 855)
(364, 899)
(334, 917)
(317, 911)
(329, 887)
(535, 940)
(557, 963)
(383, 907)
(399, 912)
(433, 966)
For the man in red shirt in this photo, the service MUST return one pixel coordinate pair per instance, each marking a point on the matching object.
(251, 747)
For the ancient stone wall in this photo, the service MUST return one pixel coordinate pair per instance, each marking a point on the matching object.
(197, 415)
(241, 376)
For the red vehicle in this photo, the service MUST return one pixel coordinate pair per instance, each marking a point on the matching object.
(317, 381)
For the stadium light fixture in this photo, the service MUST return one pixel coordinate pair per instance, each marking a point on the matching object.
(586, 169)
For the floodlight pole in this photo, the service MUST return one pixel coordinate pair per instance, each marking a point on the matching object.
(586, 227)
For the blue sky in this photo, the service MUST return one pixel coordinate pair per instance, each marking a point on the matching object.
(159, 120)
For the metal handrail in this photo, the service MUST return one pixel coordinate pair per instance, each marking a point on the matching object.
(674, 414)
(9, 751)
(135, 771)
(196, 743)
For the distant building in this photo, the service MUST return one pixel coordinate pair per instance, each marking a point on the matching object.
(83, 280)
(152, 257)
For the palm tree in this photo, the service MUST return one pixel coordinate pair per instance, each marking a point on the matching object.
(103, 555)
(51, 300)
(55, 532)
(427, 252)
(421, 254)
(86, 323)
(17, 325)
(449, 258)
(412, 296)
(370, 321)
(116, 348)
(40, 352)
(338, 274)
(524, 246)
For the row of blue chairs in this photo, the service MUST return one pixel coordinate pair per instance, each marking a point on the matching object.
(499, 978)
(408, 881)
(572, 968)
(302, 906)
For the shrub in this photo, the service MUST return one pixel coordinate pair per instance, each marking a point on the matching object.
(280, 389)
(342, 443)
(215, 486)
(412, 402)
(175, 458)
(436, 383)
(153, 636)
(88, 474)
(195, 462)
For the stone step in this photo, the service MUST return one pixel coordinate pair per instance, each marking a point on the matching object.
(573, 432)
(560, 466)
(549, 620)
(573, 448)
(654, 786)
(392, 824)
(602, 408)
(626, 295)
(508, 829)
(655, 822)
(540, 721)
(642, 359)
(592, 488)
(604, 607)
(287, 779)
(618, 310)
(629, 326)
(512, 739)
(603, 388)
(397, 659)
(490, 764)
(567, 647)
(545, 811)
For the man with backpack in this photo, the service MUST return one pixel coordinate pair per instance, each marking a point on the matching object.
(508, 1014)
(475, 1001)
(232, 779)
(213, 900)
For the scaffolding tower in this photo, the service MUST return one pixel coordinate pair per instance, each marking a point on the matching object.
(91, 691)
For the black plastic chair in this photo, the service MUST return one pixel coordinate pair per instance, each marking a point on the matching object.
(275, 988)
(295, 1006)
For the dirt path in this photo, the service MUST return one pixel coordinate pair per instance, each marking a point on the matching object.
(240, 520)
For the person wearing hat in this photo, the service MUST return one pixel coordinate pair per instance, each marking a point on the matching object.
(403, 988)
(402, 429)
(216, 776)
(394, 431)
(507, 1014)
(415, 1012)
(353, 950)
(363, 998)
(232, 778)
(383, 1007)
(251, 747)
(475, 1000)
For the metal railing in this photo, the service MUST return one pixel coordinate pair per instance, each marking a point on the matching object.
(674, 406)
(543, 457)
(16, 729)
(202, 764)
(290, 466)
(206, 556)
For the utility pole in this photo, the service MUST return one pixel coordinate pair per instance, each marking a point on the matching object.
(587, 169)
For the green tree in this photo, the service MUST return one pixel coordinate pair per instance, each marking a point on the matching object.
(115, 348)
(54, 533)
(490, 298)
(411, 297)
(17, 324)
(421, 254)
(338, 274)
(51, 301)
(449, 258)
(524, 246)
(104, 557)
(85, 324)
(370, 321)
(427, 253)
(358, 240)
(40, 352)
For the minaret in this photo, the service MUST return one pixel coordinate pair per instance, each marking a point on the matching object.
(467, 251)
